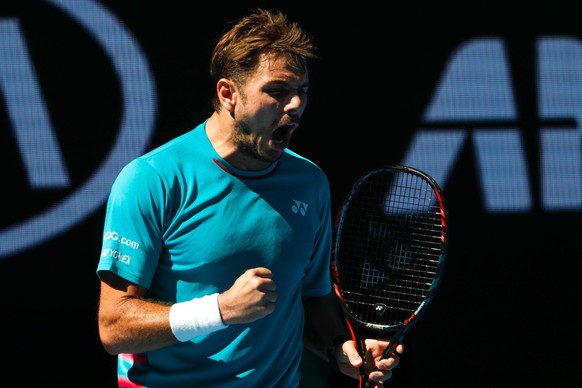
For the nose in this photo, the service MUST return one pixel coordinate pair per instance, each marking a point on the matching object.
(296, 103)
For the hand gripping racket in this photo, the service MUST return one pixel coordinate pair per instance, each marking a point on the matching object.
(389, 252)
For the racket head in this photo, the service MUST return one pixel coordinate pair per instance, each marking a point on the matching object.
(390, 248)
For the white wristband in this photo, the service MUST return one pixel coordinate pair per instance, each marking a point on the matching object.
(196, 317)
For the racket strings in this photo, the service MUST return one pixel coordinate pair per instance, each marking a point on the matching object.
(391, 241)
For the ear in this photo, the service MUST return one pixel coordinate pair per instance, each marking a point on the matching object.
(227, 94)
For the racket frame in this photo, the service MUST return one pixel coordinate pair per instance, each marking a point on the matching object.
(360, 330)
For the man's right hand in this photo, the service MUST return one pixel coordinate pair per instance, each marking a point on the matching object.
(251, 297)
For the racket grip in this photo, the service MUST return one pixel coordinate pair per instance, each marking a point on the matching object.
(388, 351)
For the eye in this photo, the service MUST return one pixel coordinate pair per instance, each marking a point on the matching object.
(281, 92)
(278, 92)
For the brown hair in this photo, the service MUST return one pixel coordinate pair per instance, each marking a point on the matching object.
(237, 53)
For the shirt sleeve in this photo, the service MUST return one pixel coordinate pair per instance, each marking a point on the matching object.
(132, 234)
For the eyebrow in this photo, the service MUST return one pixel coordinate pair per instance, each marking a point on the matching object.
(287, 84)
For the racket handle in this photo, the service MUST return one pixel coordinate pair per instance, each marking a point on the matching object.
(394, 341)
(391, 348)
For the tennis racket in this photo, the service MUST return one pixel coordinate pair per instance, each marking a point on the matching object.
(388, 256)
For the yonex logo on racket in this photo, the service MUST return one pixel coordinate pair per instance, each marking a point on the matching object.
(299, 207)
(380, 308)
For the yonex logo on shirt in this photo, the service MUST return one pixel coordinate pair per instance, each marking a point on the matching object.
(121, 257)
(299, 207)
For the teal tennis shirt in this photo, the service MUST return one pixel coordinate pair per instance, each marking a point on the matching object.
(183, 223)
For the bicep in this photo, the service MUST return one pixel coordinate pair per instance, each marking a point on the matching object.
(115, 286)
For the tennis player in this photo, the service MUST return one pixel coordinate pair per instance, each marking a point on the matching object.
(216, 248)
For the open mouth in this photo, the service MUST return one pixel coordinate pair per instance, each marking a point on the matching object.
(282, 135)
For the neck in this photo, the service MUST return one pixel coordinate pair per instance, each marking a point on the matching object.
(219, 129)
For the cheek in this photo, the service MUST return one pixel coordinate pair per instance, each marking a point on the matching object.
(260, 109)
(268, 112)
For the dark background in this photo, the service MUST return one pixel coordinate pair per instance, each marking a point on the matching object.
(507, 312)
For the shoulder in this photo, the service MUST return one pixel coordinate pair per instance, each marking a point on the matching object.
(306, 167)
(179, 147)
(168, 158)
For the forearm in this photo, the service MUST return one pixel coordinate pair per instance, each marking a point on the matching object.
(134, 326)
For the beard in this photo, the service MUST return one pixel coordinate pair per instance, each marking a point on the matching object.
(248, 143)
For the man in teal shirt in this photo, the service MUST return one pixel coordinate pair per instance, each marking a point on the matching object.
(216, 245)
